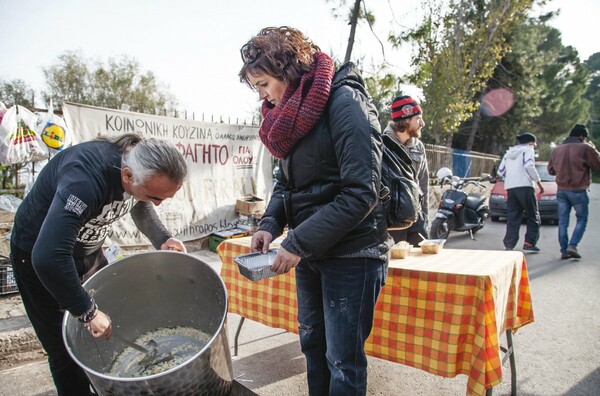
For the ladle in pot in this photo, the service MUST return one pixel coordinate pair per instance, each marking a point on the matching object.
(150, 348)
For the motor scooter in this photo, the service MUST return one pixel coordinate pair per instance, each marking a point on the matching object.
(459, 210)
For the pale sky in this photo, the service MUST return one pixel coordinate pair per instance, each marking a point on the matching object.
(193, 46)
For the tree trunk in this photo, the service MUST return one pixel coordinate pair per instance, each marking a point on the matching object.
(353, 22)
(473, 132)
(449, 140)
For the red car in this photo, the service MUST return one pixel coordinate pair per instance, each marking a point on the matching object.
(547, 203)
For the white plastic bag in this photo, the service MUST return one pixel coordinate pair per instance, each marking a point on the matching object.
(113, 253)
(53, 130)
(3, 111)
(9, 203)
(20, 142)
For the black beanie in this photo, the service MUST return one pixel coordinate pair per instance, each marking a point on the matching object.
(579, 130)
(526, 138)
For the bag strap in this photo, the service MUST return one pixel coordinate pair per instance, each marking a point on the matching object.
(399, 150)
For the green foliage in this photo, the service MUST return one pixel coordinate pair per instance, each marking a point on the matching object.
(9, 178)
(68, 79)
(543, 152)
(16, 92)
(382, 86)
(563, 105)
(592, 94)
(548, 82)
(458, 48)
(117, 84)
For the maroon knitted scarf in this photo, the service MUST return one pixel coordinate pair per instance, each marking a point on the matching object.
(301, 108)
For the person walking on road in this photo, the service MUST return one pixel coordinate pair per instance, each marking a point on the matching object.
(520, 177)
(405, 128)
(572, 162)
(60, 226)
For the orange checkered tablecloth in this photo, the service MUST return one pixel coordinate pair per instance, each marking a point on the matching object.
(442, 313)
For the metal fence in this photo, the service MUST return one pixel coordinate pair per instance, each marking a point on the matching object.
(7, 279)
(463, 163)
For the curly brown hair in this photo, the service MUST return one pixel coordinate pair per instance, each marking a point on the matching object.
(400, 126)
(281, 52)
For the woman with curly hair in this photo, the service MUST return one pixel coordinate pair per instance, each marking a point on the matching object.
(324, 130)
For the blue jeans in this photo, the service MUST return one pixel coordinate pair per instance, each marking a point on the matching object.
(336, 305)
(578, 200)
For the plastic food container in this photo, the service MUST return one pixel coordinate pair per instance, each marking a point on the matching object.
(401, 250)
(256, 266)
(432, 246)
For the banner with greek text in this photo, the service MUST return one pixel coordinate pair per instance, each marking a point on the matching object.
(225, 162)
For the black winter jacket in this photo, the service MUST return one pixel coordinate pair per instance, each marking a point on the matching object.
(327, 189)
(68, 214)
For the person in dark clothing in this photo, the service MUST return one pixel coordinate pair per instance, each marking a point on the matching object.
(324, 130)
(405, 128)
(60, 226)
(520, 177)
(572, 162)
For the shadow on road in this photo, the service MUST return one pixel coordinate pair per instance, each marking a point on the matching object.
(539, 269)
(591, 381)
(253, 368)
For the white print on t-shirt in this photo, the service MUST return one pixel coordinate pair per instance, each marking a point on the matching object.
(96, 230)
(75, 205)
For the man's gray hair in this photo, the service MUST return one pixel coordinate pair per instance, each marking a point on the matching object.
(147, 157)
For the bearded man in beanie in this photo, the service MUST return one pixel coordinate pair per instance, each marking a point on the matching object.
(520, 177)
(572, 162)
(405, 128)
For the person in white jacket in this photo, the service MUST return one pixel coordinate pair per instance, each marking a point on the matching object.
(520, 177)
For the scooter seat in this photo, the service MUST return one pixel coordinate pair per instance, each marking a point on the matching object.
(474, 201)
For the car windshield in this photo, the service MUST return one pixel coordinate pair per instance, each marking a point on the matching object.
(544, 175)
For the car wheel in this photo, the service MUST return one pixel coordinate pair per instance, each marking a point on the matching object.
(495, 219)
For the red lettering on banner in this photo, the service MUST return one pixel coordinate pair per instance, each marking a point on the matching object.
(245, 156)
(204, 153)
(242, 160)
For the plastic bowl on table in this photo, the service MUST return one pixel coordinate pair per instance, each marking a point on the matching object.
(431, 246)
(401, 250)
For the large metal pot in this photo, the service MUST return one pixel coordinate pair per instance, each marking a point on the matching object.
(153, 290)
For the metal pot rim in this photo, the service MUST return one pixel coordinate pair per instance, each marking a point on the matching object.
(67, 317)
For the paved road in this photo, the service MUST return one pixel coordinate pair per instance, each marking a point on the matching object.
(558, 354)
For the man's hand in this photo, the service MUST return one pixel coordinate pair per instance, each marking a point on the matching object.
(173, 244)
(541, 187)
(100, 326)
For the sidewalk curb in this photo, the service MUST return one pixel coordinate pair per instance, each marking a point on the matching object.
(19, 347)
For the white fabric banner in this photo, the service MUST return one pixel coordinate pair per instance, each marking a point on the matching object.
(225, 162)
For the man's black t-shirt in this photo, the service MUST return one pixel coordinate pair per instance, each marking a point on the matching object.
(68, 214)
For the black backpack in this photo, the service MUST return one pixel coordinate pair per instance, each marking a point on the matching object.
(400, 193)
